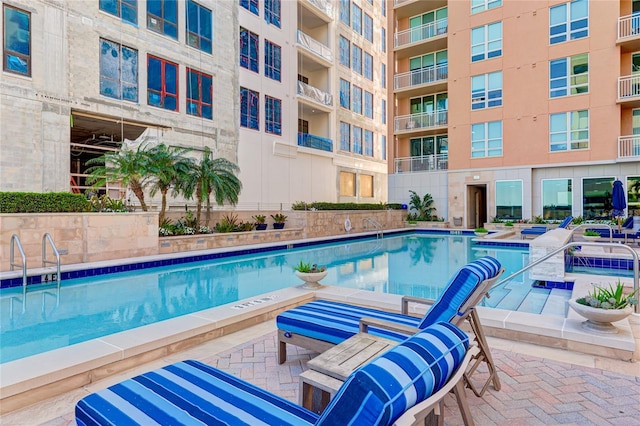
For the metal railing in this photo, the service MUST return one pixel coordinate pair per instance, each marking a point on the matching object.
(47, 238)
(594, 226)
(421, 76)
(422, 163)
(423, 120)
(377, 226)
(628, 26)
(314, 94)
(421, 33)
(628, 146)
(15, 242)
(312, 141)
(314, 46)
(629, 86)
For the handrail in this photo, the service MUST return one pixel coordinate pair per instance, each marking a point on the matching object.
(634, 254)
(376, 225)
(15, 242)
(47, 237)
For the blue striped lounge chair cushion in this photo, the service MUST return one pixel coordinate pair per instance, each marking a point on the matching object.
(188, 393)
(379, 392)
(459, 289)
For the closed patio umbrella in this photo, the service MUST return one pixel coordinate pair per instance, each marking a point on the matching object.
(618, 201)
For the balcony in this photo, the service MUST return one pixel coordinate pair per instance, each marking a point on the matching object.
(421, 122)
(315, 48)
(423, 163)
(324, 6)
(407, 8)
(316, 142)
(629, 90)
(629, 148)
(315, 96)
(412, 42)
(418, 79)
(629, 33)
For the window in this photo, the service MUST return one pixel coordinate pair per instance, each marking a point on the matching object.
(383, 39)
(347, 184)
(162, 83)
(272, 60)
(368, 28)
(568, 21)
(596, 198)
(427, 25)
(509, 199)
(356, 99)
(486, 90)
(383, 111)
(118, 71)
(429, 67)
(345, 94)
(368, 66)
(125, 9)
(486, 139)
(356, 18)
(635, 123)
(383, 75)
(486, 42)
(356, 59)
(357, 140)
(368, 143)
(368, 104)
(272, 12)
(481, 5)
(250, 5)
(345, 136)
(633, 195)
(569, 76)
(199, 94)
(383, 7)
(556, 199)
(345, 52)
(383, 146)
(429, 145)
(303, 126)
(366, 186)
(272, 115)
(569, 130)
(16, 55)
(249, 109)
(249, 50)
(162, 17)
(345, 11)
(198, 26)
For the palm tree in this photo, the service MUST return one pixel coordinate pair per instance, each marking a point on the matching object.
(217, 176)
(129, 167)
(168, 168)
(424, 206)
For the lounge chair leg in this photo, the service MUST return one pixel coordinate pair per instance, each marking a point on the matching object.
(461, 397)
(483, 356)
(282, 352)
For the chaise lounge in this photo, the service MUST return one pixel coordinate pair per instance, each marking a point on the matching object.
(320, 324)
(402, 386)
(536, 231)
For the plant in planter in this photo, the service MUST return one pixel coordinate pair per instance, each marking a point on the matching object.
(481, 232)
(260, 220)
(591, 235)
(278, 220)
(604, 306)
(310, 273)
(508, 224)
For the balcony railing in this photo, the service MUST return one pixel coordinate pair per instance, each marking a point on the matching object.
(421, 33)
(399, 2)
(628, 26)
(314, 46)
(424, 120)
(316, 142)
(629, 86)
(323, 5)
(422, 163)
(629, 147)
(314, 94)
(421, 76)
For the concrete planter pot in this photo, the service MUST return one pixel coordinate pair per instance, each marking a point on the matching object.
(600, 320)
(311, 278)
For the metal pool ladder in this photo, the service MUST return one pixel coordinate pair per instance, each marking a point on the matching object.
(47, 238)
(376, 225)
(15, 242)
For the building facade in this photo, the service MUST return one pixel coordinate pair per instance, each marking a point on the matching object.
(515, 109)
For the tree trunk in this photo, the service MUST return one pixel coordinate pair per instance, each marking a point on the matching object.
(208, 216)
(163, 209)
(199, 206)
(139, 193)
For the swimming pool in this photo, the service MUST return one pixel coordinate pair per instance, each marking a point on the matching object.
(88, 308)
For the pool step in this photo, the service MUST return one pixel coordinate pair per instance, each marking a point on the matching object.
(522, 297)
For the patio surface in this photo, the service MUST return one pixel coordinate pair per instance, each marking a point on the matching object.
(540, 385)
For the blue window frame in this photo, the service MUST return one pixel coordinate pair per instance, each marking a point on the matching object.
(162, 83)
(383, 39)
(345, 53)
(249, 109)
(356, 99)
(345, 94)
(127, 10)
(568, 21)
(486, 42)
(368, 28)
(368, 66)
(199, 94)
(162, 17)
(486, 90)
(368, 104)
(272, 115)
(357, 140)
(368, 143)
(272, 12)
(383, 111)
(356, 59)
(383, 146)
(272, 60)
(118, 71)
(569, 76)
(16, 52)
(345, 11)
(251, 6)
(383, 75)
(486, 139)
(249, 50)
(356, 18)
(199, 27)
(569, 130)
(345, 136)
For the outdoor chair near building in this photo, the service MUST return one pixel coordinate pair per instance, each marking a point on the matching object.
(536, 231)
(432, 363)
(627, 226)
(321, 324)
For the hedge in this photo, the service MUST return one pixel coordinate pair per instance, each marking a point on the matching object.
(301, 205)
(50, 202)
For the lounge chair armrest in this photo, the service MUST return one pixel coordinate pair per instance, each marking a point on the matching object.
(412, 299)
(366, 322)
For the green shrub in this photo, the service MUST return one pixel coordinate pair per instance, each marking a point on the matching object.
(48, 202)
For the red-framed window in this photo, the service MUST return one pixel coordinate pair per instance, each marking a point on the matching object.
(199, 94)
(162, 83)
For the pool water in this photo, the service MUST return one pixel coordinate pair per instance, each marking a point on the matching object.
(88, 308)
